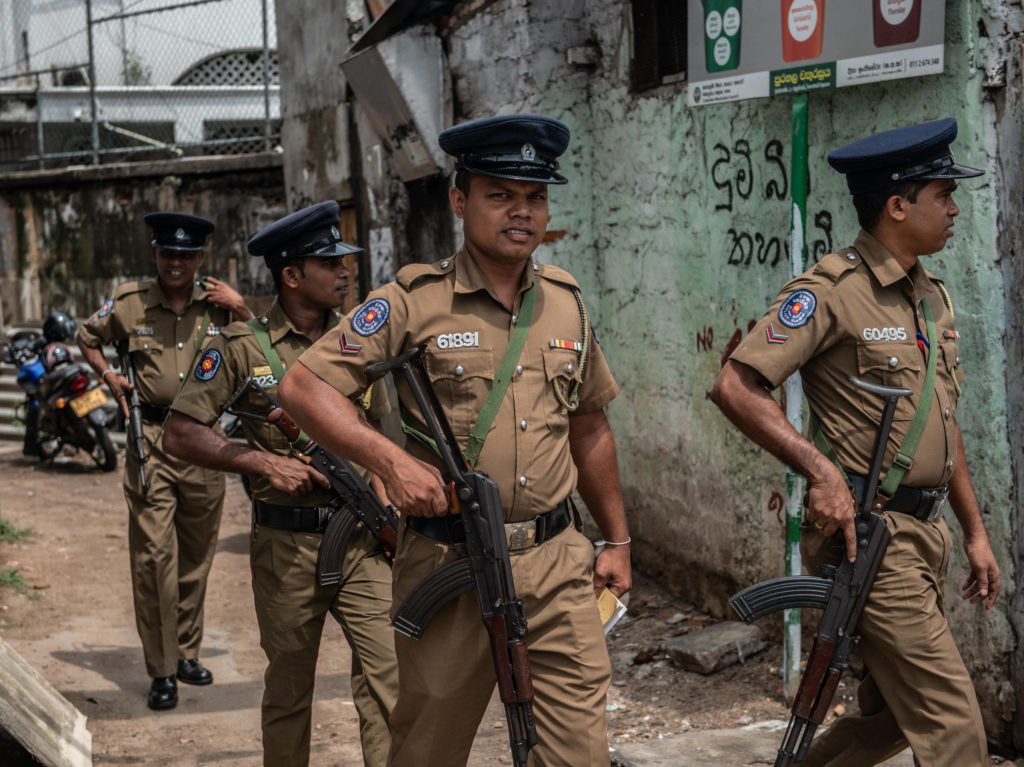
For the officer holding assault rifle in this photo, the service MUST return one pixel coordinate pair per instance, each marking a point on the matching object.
(502, 388)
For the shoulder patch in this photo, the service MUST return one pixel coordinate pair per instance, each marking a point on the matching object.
(108, 305)
(208, 365)
(371, 316)
(797, 310)
(835, 265)
(409, 275)
(556, 274)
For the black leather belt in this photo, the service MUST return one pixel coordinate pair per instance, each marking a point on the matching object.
(520, 535)
(153, 413)
(917, 502)
(298, 519)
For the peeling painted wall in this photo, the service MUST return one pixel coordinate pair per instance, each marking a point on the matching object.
(65, 244)
(675, 222)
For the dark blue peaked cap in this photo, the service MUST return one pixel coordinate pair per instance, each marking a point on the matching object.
(914, 153)
(178, 231)
(310, 232)
(518, 147)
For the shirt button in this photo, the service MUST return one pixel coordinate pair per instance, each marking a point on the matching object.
(264, 320)
(515, 318)
(851, 257)
(145, 347)
(522, 424)
(951, 464)
(459, 370)
(958, 361)
(536, 268)
(444, 264)
(179, 318)
(181, 376)
(893, 362)
(181, 345)
(947, 412)
(569, 368)
(522, 481)
(519, 369)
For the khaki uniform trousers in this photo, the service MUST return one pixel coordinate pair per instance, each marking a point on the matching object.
(447, 676)
(290, 610)
(917, 691)
(172, 537)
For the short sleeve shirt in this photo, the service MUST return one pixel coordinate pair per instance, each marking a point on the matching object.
(857, 313)
(162, 343)
(239, 357)
(452, 309)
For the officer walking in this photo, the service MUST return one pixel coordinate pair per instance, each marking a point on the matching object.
(304, 254)
(548, 435)
(172, 528)
(873, 311)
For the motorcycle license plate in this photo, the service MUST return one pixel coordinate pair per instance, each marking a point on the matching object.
(88, 402)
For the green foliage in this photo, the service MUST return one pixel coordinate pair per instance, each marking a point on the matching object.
(135, 70)
(12, 579)
(9, 532)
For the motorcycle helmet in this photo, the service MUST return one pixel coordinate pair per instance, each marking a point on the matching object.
(55, 355)
(59, 327)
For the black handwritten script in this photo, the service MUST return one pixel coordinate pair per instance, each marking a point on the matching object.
(745, 248)
(733, 172)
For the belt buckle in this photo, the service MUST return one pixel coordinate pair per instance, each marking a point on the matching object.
(521, 535)
(938, 501)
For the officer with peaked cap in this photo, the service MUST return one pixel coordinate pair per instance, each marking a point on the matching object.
(303, 252)
(548, 436)
(873, 311)
(172, 528)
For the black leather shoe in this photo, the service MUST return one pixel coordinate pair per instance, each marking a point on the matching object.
(163, 693)
(192, 672)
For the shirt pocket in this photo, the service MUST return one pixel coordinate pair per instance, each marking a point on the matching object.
(954, 375)
(462, 378)
(562, 370)
(894, 365)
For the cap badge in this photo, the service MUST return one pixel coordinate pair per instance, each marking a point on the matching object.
(335, 233)
(180, 235)
(529, 153)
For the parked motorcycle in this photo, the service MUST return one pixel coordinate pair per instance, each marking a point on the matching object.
(64, 405)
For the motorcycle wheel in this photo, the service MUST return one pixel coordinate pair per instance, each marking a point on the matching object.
(103, 450)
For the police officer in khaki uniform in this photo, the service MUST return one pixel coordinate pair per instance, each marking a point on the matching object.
(304, 253)
(873, 311)
(172, 529)
(549, 435)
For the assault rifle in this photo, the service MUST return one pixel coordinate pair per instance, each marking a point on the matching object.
(841, 596)
(354, 500)
(485, 564)
(134, 412)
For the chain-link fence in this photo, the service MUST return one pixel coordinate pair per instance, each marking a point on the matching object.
(91, 81)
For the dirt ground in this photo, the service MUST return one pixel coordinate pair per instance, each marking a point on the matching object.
(73, 621)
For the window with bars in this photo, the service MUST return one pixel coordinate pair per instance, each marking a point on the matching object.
(659, 43)
(241, 67)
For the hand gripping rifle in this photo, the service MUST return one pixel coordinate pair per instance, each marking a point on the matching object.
(841, 596)
(485, 563)
(354, 500)
(134, 412)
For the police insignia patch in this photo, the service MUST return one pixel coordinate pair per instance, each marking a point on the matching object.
(798, 308)
(371, 316)
(108, 305)
(208, 365)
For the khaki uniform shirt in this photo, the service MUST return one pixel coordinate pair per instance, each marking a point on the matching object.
(162, 342)
(865, 322)
(451, 307)
(203, 396)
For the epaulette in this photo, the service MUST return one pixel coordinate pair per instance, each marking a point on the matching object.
(835, 265)
(409, 275)
(556, 274)
(134, 286)
(235, 329)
